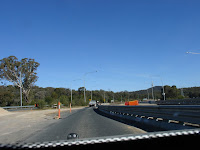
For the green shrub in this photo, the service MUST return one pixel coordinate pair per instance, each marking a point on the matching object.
(41, 103)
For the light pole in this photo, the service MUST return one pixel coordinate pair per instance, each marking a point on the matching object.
(91, 95)
(147, 90)
(163, 89)
(147, 94)
(21, 87)
(189, 53)
(84, 82)
(104, 97)
(71, 88)
(152, 90)
(91, 91)
(192, 53)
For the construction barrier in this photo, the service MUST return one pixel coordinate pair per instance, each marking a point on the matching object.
(126, 103)
(132, 103)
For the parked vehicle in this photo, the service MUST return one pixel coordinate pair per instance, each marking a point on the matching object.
(92, 103)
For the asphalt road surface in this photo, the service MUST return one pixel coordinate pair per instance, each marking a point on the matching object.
(86, 123)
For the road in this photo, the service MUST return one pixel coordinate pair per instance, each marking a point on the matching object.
(16, 126)
(86, 123)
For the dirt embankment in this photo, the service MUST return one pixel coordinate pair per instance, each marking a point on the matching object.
(4, 112)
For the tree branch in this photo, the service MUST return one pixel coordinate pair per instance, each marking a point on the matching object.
(11, 80)
(15, 75)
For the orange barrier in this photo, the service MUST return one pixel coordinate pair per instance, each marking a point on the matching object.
(58, 110)
(132, 103)
(126, 103)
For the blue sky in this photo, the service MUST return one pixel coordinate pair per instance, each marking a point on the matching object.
(129, 42)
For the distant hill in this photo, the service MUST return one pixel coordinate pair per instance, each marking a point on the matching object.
(155, 89)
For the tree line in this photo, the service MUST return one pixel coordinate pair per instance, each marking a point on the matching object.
(10, 95)
(22, 73)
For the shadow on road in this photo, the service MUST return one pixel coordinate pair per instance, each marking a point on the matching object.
(145, 127)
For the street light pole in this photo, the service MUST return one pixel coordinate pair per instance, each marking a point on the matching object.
(71, 95)
(192, 53)
(71, 88)
(163, 89)
(21, 88)
(152, 90)
(91, 94)
(84, 89)
(84, 83)
(147, 94)
(104, 100)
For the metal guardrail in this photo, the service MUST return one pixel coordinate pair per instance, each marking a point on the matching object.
(189, 101)
(28, 106)
(147, 102)
(18, 107)
(182, 116)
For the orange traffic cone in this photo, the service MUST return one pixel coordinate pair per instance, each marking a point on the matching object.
(58, 110)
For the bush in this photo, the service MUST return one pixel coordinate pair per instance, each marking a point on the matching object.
(180, 97)
(41, 103)
(49, 100)
(64, 100)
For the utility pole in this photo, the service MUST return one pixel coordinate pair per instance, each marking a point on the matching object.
(152, 90)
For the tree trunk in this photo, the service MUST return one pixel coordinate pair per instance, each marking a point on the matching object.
(26, 93)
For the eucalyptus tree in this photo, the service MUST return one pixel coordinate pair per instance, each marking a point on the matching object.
(21, 73)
